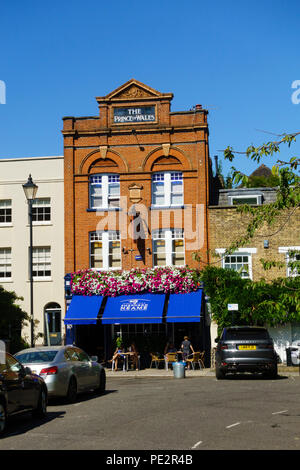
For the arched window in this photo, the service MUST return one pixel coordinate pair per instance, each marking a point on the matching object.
(104, 191)
(167, 189)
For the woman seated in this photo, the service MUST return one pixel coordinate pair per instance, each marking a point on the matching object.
(117, 355)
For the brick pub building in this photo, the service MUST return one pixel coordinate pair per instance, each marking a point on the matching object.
(136, 196)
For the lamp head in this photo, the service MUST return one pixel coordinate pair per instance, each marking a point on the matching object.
(30, 189)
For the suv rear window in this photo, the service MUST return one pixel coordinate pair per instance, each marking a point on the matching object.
(246, 334)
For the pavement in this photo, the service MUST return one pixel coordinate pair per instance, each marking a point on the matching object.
(207, 372)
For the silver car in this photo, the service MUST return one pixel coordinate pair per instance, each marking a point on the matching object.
(66, 370)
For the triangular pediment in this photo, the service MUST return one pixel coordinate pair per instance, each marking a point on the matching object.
(134, 90)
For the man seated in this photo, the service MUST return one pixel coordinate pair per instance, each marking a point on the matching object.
(134, 355)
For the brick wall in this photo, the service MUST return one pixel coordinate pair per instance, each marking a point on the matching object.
(227, 225)
(175, 141)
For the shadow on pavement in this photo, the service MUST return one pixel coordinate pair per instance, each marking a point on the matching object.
(20, 424)
(57, 401)
(242, 376)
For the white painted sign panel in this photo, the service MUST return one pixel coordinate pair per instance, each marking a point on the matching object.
(233, 306)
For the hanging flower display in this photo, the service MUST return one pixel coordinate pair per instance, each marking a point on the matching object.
(156, 280)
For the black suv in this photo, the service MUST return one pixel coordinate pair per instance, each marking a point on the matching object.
(245, 349)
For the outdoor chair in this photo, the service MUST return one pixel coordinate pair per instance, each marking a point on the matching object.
(156, 360)
(169, 359)
(196, 358)
(201, 359)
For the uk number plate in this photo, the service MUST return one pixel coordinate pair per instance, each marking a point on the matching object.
(247, 347)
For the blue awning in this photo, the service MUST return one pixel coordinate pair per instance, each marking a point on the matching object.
(83, 310)
(185, 307)
(131, 309)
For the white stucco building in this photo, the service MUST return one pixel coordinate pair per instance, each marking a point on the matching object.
(48, 240)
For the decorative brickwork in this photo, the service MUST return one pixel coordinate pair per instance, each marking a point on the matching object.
(134, 135)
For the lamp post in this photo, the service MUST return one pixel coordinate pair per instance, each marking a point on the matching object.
(30, 190)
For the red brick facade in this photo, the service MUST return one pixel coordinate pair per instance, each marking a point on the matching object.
(172, 141)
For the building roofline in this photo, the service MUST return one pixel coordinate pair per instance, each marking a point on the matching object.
(262, 188)
(19, 159)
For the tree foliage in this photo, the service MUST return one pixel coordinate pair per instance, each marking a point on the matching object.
(260, 303)
(286, 172)
(263, 181)
(12, 319)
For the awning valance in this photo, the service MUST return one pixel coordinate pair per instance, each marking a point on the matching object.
(133, 309)
(83, 310)
(185, 307)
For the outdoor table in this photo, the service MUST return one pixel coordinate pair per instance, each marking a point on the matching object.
(126, 355)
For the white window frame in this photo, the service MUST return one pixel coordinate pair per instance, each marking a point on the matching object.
(168, 235)
(239, 252)
(4, 207)
(257, 196)
(104, 180)
(42, 260)
(285, 250)
(37, 203)
(167, 187)
(5, 262)
(105, 237)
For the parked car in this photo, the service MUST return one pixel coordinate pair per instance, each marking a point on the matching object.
(66, 370)
(295, 353)
(245, 349)
(20, 391)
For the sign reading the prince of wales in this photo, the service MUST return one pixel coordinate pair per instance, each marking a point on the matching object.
(131, 115)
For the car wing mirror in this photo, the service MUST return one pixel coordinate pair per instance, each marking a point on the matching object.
(94, 358)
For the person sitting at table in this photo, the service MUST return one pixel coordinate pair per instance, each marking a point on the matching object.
(133, 352)
(170, 348)
(117, 354)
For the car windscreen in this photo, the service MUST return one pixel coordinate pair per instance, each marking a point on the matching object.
(36, 357)
(244, 335)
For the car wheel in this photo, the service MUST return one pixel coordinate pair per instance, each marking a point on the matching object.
(2, 418)
(72, 390)
(220, 375)
(41, 409)
(273, 373)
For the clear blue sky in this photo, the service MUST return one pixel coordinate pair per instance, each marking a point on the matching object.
(237, 58)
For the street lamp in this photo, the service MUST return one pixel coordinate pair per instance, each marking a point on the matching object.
(30, 190)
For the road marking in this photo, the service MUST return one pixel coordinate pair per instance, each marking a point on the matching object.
(232, 425)
(279, 412)
(197, 444)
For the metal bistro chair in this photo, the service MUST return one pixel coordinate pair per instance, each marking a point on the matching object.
(170, 358)
(196, 358)
(156, 360)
